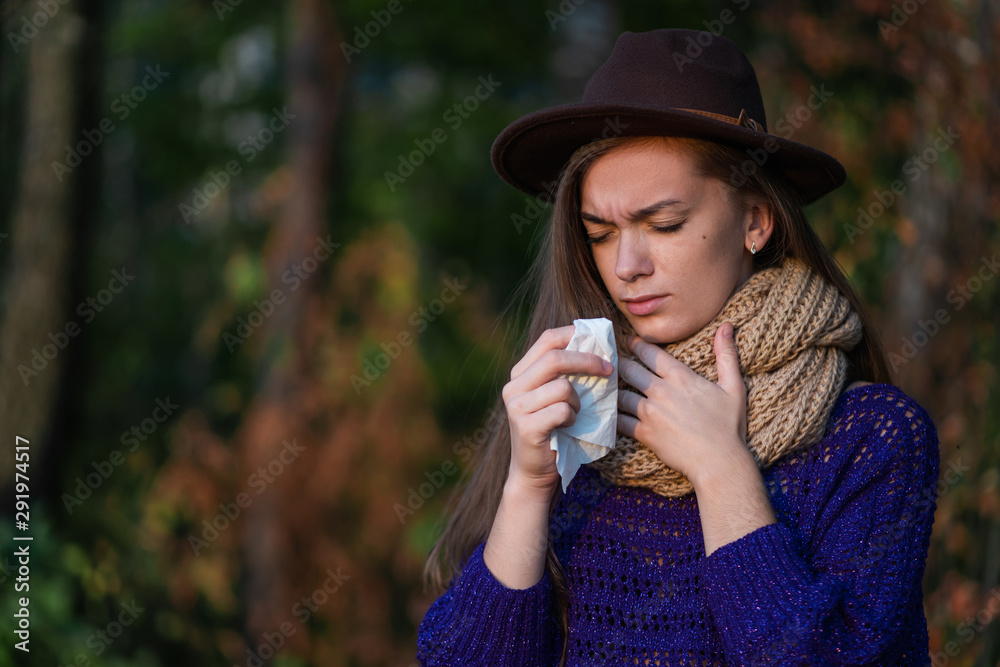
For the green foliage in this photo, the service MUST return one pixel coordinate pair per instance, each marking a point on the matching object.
(163, 336)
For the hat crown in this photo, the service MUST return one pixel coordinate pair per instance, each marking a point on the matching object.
(666, 82)
(673, 68)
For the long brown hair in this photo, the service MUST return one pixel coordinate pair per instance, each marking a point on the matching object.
(564, 284)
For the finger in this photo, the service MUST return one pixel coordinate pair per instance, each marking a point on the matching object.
(557, 338)
(548, 394)
(727, 360)
(629, 401)
(636, 375)
(555, 363)
(627, 424)
(555, 416)
(654, 357)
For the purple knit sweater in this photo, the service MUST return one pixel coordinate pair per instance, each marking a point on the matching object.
(836, 581)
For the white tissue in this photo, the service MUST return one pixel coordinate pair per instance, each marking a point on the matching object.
(595, 430)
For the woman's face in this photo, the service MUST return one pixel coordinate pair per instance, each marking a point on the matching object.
(667, 232)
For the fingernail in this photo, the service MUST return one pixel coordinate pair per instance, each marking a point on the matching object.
(608, 366)
(727, 330)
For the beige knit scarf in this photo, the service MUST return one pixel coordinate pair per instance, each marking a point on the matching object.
(792, 331)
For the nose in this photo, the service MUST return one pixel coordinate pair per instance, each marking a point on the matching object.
(633, 256)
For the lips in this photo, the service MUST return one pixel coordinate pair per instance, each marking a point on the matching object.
(637, 299)
(644, 306)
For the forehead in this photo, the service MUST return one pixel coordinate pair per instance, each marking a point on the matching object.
(634, 175)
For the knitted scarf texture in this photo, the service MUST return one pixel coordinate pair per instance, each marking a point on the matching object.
(792, 331)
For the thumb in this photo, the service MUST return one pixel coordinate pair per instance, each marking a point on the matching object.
(727, 360)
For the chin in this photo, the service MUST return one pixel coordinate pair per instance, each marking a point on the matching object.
(659, 332)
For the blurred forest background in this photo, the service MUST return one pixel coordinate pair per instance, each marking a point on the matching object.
(253, 303)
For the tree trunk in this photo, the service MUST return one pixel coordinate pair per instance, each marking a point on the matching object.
(315, 74)
(34, 342)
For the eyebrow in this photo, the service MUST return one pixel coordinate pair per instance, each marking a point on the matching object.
(634, 216)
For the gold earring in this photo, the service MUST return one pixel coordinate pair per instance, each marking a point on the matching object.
(753, 248)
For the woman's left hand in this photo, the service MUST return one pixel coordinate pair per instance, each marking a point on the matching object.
(693, 425)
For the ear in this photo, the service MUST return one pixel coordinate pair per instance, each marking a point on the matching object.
(759, 222)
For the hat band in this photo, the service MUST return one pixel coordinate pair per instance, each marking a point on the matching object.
(744, 119)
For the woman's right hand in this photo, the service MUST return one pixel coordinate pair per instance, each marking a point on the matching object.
(538, 401)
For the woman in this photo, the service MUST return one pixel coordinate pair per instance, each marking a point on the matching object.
(771, 493)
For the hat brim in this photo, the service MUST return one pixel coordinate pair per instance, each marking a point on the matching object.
(530, 153)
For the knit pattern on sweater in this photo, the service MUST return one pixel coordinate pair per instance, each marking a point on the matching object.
(836, 581)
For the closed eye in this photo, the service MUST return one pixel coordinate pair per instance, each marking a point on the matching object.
(594, 240)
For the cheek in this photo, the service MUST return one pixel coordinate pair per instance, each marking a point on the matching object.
(723, 247)
(702, 269)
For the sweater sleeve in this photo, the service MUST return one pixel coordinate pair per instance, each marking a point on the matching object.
(479, 621)
(844, 588)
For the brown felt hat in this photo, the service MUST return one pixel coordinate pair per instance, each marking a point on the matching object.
(666, 82)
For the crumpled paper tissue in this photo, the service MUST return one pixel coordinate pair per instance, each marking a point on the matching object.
(595, 430)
